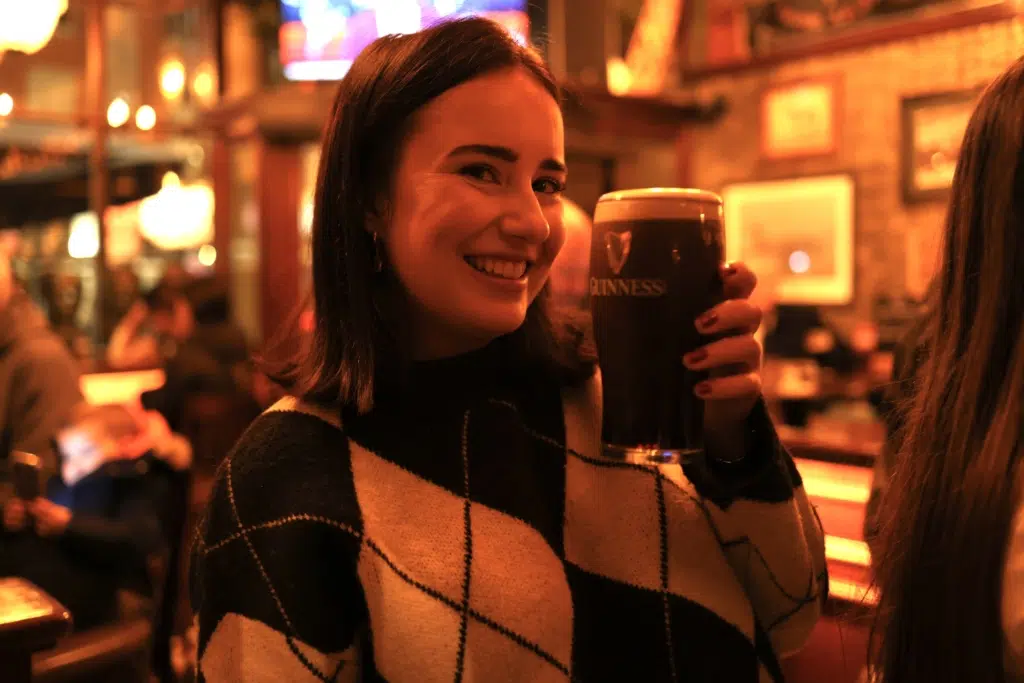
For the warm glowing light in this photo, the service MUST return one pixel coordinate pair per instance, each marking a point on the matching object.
(118, 113)
(28, 26)
(618, 75)
(837, 490)
(799, 262)
(847, 550)
(835, 482)
(204, 83)
(170, 179)
(207, 255)
(306, 217)
(84, 236)
(121, 231)
(104, 388)
(850, 591)
(172, 79)
(178, 217)
(145, 117)
(6, 104)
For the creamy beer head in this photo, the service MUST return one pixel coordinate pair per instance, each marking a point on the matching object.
(654, 268)
(659, 203)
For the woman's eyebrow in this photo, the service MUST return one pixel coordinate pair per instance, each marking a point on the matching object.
(504, 154)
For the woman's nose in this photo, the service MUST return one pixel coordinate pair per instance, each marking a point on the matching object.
(526, 221)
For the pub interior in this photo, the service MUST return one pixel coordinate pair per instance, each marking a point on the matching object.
(192, 127)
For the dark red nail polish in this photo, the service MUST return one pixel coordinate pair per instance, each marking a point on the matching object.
(729, 270)
(707, 320)
(696, 356)
(703, 389)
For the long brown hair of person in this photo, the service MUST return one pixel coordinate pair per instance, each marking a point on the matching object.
(948, 514)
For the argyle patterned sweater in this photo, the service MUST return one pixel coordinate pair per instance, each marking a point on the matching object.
(469, 531)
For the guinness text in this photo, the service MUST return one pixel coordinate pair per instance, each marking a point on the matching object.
(606, 286)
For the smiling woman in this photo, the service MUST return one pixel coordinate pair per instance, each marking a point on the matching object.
(432, 504)
(476, 218)
(451, 214)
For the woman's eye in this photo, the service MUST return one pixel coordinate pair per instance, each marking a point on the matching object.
(548, 186)
(481, 172)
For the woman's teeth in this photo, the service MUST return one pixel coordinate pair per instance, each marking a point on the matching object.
(510, 270)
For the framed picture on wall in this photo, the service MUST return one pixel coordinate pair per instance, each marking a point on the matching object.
(932, 128)
(800, 119)
(797, 235)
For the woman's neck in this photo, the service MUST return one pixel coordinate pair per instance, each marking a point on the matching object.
(435, 341)
(450, 373)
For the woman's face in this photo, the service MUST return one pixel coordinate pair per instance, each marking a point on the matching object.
(475, 217)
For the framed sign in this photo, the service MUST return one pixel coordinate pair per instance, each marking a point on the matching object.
(800, 119)
(932, 128)
(797, 235)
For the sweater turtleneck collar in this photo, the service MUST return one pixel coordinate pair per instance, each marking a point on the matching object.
(486, 371)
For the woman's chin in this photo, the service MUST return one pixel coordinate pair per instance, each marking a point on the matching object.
(497, 323)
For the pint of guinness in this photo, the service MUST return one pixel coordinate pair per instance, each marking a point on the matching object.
(654, 268)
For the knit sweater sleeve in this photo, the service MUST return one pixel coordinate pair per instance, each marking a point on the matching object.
(758, 512)
(273, 568)
(770, 533)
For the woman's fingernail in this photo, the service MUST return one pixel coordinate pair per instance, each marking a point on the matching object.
(695, 357)
(707, 320)
(728, 270)
(702, 389)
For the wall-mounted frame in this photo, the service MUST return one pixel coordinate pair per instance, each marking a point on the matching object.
(796, 234)
(932, 128)
(801, 118)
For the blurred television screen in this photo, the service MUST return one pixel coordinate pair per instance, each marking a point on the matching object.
(318, 39)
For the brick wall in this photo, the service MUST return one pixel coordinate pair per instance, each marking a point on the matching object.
(895, 243)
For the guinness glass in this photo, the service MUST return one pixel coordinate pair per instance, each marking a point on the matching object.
(654, 268)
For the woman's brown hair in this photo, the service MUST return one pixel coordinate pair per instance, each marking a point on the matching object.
(948, 513)
(358, 312)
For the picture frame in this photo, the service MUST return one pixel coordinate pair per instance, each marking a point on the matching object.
(800, 119)
(931, 129)
(796, 234)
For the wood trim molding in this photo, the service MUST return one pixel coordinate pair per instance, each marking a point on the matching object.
(868, 35)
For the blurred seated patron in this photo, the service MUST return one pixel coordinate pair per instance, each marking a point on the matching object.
(801, 332)
(213, 358)
(39, 380)
(102, 519)
(121, 290)
(802, 344)
(151, 330)
(62, 296)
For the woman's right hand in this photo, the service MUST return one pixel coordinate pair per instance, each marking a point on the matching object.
(15, 515)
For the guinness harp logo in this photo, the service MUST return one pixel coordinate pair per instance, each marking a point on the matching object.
(617, 245)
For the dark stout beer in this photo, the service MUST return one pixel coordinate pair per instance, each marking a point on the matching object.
(654, 268)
